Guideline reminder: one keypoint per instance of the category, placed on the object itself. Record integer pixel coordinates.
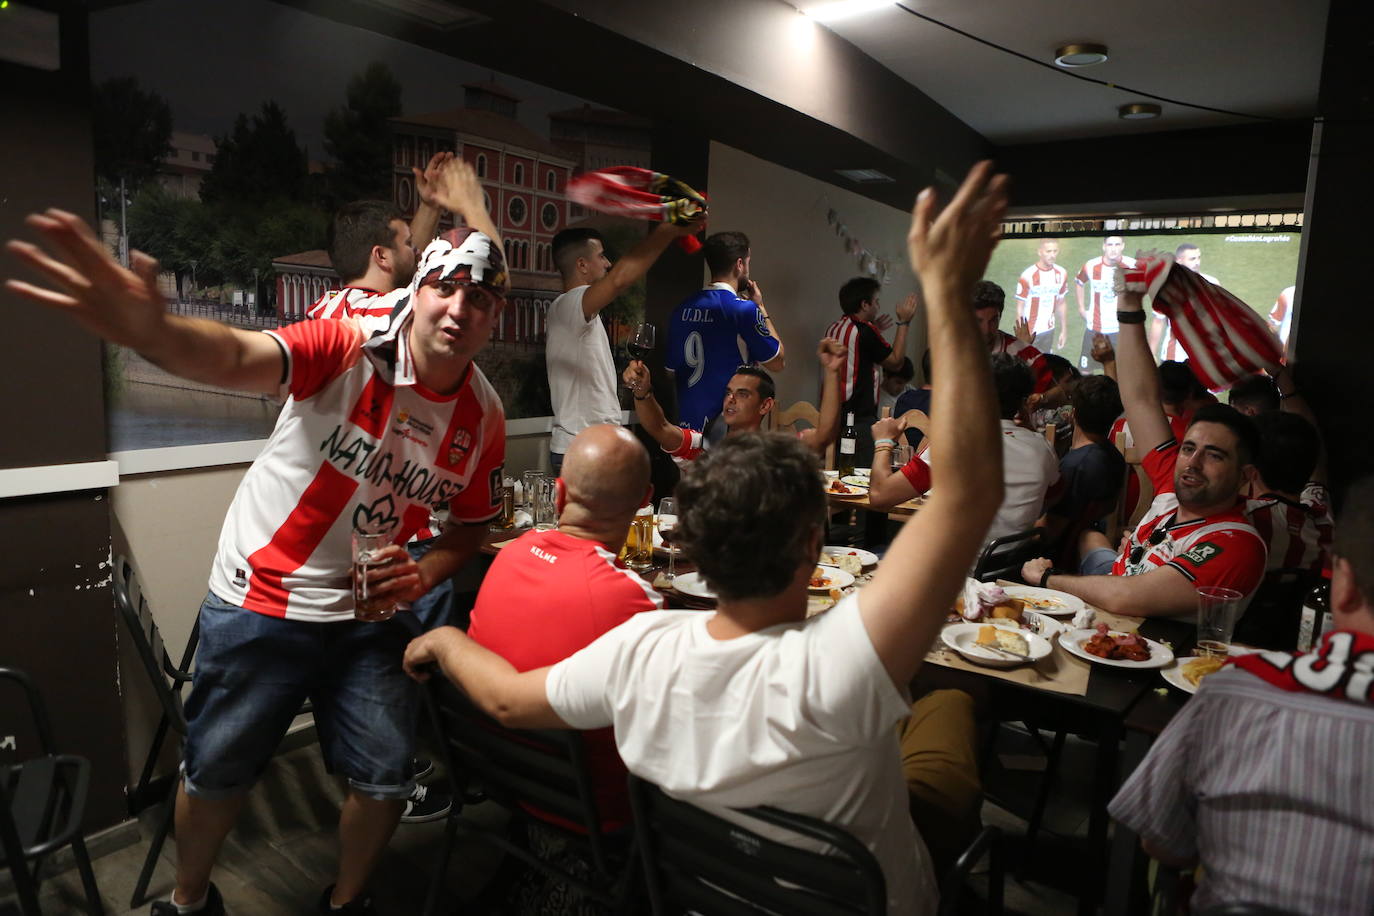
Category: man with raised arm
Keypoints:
(578, 350)
(756, 704)
(1195, 532)
(748, 399)
(705, 331)
(377, 432)
(373, 250)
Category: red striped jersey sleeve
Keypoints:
(317, 352)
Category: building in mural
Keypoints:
(302, 278)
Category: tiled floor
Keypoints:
(282, 853)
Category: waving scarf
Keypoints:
(638, 193)
(1342, 666)
(1224, 338)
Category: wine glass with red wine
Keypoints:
(642, 341)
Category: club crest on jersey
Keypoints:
(379, 517)
(459, 447)
(1201, 553)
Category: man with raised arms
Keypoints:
(755, 704)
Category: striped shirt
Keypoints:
(1270, 790)
(356, 302)
(862, 375)
(1099, 277)
(1039, 366)
(1038, 290)
(1298, 534)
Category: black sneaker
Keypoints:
(360, 905)
(422, 766)
(214, 905)
(425, 805)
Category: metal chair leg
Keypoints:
(83, 865)
(26, 887)
(1043, 796)
(155, 850)
(436, 881)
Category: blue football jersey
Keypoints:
(704, 351)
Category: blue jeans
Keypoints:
(435, 608)
(252, 674)
(556, 462)
(1098, 562)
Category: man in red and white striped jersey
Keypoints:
(858, 330)
(1195, 532)
(373, 250)
(377, 433)
(1040, 299)
(1162, 340)
(989, 300)
(1281, 315)
(1099, 311)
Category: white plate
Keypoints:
(838, 578)
(863, 472)
(815, 604)
(1059, 604)
(1174, 673)
(1072, 641)
(851, 492)
(658, 544)
(855, 481)
(692, 584)
(866, 557)
(961, 637)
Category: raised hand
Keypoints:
(883, 322)
(888, 428)
(636, 377)
(453, 185)
(907, 310)
(832, 354)
(1102, 350)
(953, 248)
(1022, 331)
(424, 180)
(121, 305)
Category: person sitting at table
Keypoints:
(748, 399)
(1029, 465)
(1091, 473)
(1195, 532)
(1263, 777)
(549, 593)
(756, 704)
(916, 399)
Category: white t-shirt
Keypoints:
(800, 716)
(1029, 468)
(581, 373)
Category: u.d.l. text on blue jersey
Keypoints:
(413, 480)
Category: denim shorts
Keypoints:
(1097, 562)
(253, 672)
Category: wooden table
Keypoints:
(901, 510)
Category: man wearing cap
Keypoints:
(376, 432)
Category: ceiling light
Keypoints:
(863, 176)
(1138, 111)
(843, 9)
(1080, 54)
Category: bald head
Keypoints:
(606, 474)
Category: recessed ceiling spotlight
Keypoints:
(1080, 54)
(1138, 111)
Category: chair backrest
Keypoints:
(790, 415)
(918, 419)
(1003, 557)
(165, 677)
(545, 770)
(696, 861)
(1137, 492)
(1271, 619)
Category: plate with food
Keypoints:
(984, 602)
(854, 480)
(995, 646)
(1187, 673)
(693, 584)
(840, 488)
(1115, 648)
(843, 557)
(1047, 600)
(824, 578)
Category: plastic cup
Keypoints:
(1216, 618)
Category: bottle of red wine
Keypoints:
(849, 440)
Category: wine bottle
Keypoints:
(849, 441)
(1315, 620)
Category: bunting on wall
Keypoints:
(869, 262)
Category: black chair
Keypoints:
(1271, 620)
(546, 770)
(167, 681)
(42, 802)
(1004, 556)
(696, 861)
(988, 842)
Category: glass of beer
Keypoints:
(640, 545)
(529, 481)
(366, 546)
(545, 503)
(507, 517)
(1216, 619)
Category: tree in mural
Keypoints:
(356, 136)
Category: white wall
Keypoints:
(799, 260)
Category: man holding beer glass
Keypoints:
(376, 434)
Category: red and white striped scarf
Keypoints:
(1224, 338)
(626, 190)
(1341, 666)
